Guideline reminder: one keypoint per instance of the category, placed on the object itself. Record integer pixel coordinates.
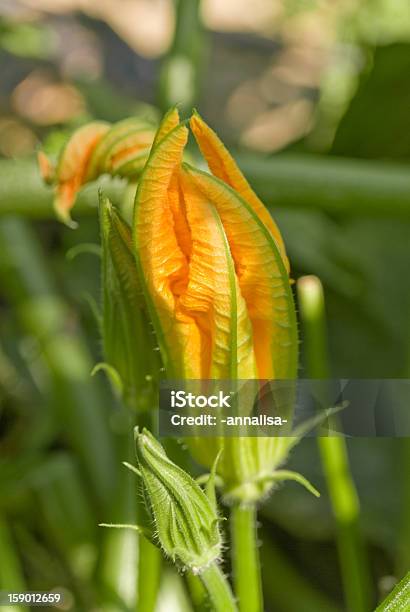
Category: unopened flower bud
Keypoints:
(94, 149)
(185, 517)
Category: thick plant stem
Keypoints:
(337, 185)
(334, 456)
(245, 559)
(198, 593)
(218, 589)
(182, 65)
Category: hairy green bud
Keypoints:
(129, 345)
(184, 516)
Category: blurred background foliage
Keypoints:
(307, 78)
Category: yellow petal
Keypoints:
(135, 145)
(117, 133)
(162, 265)
(72, 166)
(212, 296)
(223, 166)
(46, 168)
(177, 205)
(263, 279)
(187, 271)
(168, 123)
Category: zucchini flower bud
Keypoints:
(184, 516)
(215, 275)
(94, 149)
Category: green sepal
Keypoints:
(132, 468)
(112, 374)
(140, 530)
(95, 310)
(282, 475)
(128, 340)
(309, 424)
(84, 247)
(122, 526)
(211, 482)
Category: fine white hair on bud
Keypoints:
(185, 518)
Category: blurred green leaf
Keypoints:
(377, 122)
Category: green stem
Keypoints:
(22, 191)
(197, 592)
(346, 186)
(345, 504)
(149, 573)
(181, 68)
(245, 560)
(337, 185)
(218, 589)
(334, 456)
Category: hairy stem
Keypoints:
(245, 558)
(198, 593)
(218, 589)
